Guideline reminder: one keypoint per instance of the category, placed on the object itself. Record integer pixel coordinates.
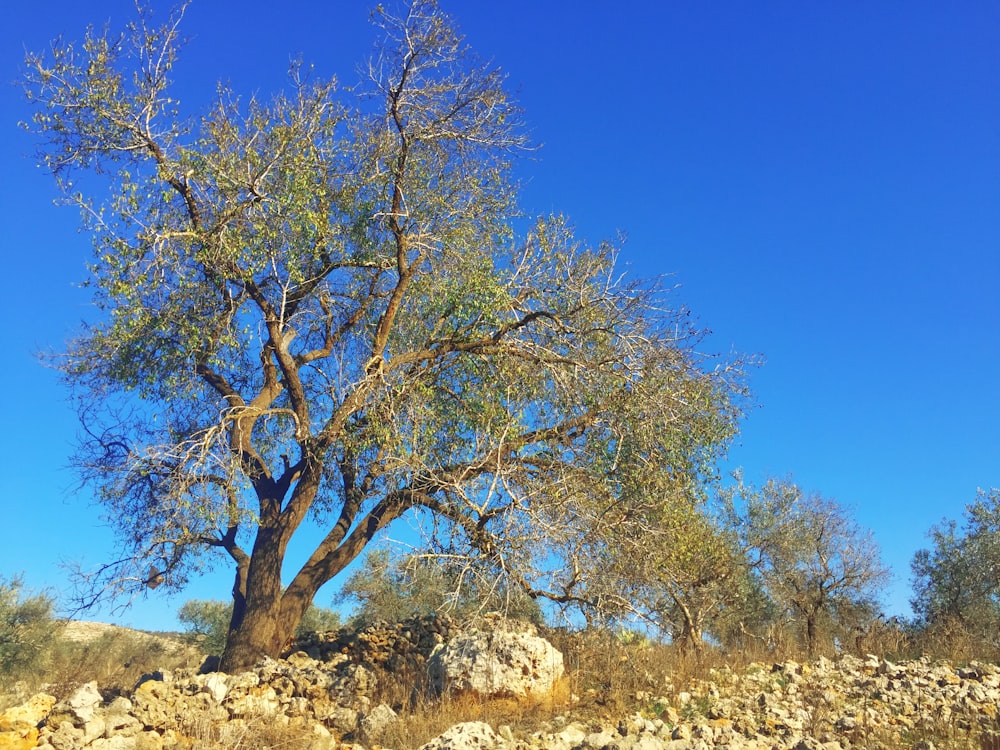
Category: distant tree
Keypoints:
(682, 573)
(958, 578)
(320, 308)
(27, 628)
(813, 559)
(395, 588)
(206, 623)
(318, 620)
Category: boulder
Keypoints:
(28, 715)
(469, 735)
(375, 723)
(505, 658)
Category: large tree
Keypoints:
(325, 308)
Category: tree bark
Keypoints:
(260, 630)
(810, 635)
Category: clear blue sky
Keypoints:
(822, 180)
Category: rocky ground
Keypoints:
(348, 690)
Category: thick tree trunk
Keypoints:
(264, 616)
(260, 634)
(259, 626)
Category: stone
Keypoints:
(22, 738)
(470, 735)
(28, 715)
(507, 660)
(118, 742)
(81, 706)
(215, 685)
(377, 721)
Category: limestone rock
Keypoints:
(469, 735)
(375, 723)
(28, 715)
(508, 659)
(81, 706)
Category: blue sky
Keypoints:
(821, 179)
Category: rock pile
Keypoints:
(324, 690)
(400, 648)
(825, 705)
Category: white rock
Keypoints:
(470, 735)
(83, 703)
(509, 660)
(215, 685)
(380, 718)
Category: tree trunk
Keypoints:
(260, 634)
(691, 632)
(258, 628)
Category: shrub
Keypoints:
(27, 628)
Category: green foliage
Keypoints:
(393, 589)
(206, 622)
(813, 560)
(27, 628)
(318, 620)
(956, 582)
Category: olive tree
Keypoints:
(958, 578)
(812, 557)
(682, 570)
(325, 308)
(27, 629)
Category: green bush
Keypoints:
(27, 629)
(206, 623)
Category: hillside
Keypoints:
(371, 689)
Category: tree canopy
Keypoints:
(328, 307)
(957, 580)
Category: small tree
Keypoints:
(957, 580)
(812, 558)
(682, 573)
(320, 308)
(27, 628)
(207, 623)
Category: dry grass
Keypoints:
(115, 657)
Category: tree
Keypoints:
(206, 623)
(27, 628)
(812, 557)
(323, 308)
(683, 572)
(958, 578)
